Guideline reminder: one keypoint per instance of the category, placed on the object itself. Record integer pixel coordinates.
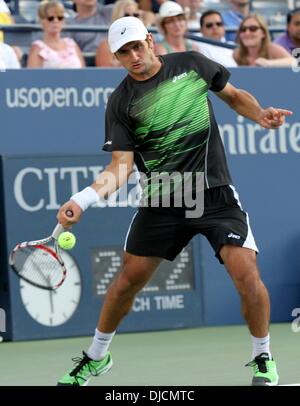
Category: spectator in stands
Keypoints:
(3, 7)
(122, 8)
(172, 24)
(212, 27)
(255, 47)
(192, 11)
(5, 17)
(89, 12)
(233, 17)
(8, 58)
(291, 38)
(54, 51)
(150, 5)
(131, 8)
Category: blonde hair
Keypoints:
(242, 53)
(46, 5)
(119, 8)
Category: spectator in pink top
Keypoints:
(54, 52)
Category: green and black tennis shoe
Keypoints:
(85, 368)
(265, 371)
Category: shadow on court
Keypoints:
(206, 356)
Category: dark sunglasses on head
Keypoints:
(132, 15)
(251, 28)
(210, 25)
(51, 18)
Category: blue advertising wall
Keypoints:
(35, 185)
(51, 136)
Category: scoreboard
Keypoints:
(170, 276)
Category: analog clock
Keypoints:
(53, 308)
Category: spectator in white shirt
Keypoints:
(212, 27)
(3, 7)
(8, 58)
(5, 17)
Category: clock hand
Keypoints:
(51, 301)
(51, 292)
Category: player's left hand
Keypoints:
(273, 118)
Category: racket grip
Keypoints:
(57, 231)
(59, 228)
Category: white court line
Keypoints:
(290, 384)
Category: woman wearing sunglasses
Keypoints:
(122, 8)
(255, 47)
(54, 52)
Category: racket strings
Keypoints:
(39, 265)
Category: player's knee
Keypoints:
(129, 281)
(249, 284)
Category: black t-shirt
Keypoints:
(168, 120)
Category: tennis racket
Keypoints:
(39, 262)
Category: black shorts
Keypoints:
(164, 232)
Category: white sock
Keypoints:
(260, 345)
(100, 344)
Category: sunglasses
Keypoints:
(51, 18)
(251, 28)
(132, 15)
(218, 24)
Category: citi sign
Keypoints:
(37, 189)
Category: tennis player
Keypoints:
(161, 119)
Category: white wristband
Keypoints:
(86, 198)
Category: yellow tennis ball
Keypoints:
(66, 240)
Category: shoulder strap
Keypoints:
(189, 45)
(167, 46)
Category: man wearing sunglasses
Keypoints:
(212, 27)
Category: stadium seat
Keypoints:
(28, 10)
(89, 58)
(215, 6)
(274, 11)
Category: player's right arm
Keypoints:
(107, 182)
(246, 105)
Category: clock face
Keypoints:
(53, 308)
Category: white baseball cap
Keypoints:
(168, 9)
(124, 30)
